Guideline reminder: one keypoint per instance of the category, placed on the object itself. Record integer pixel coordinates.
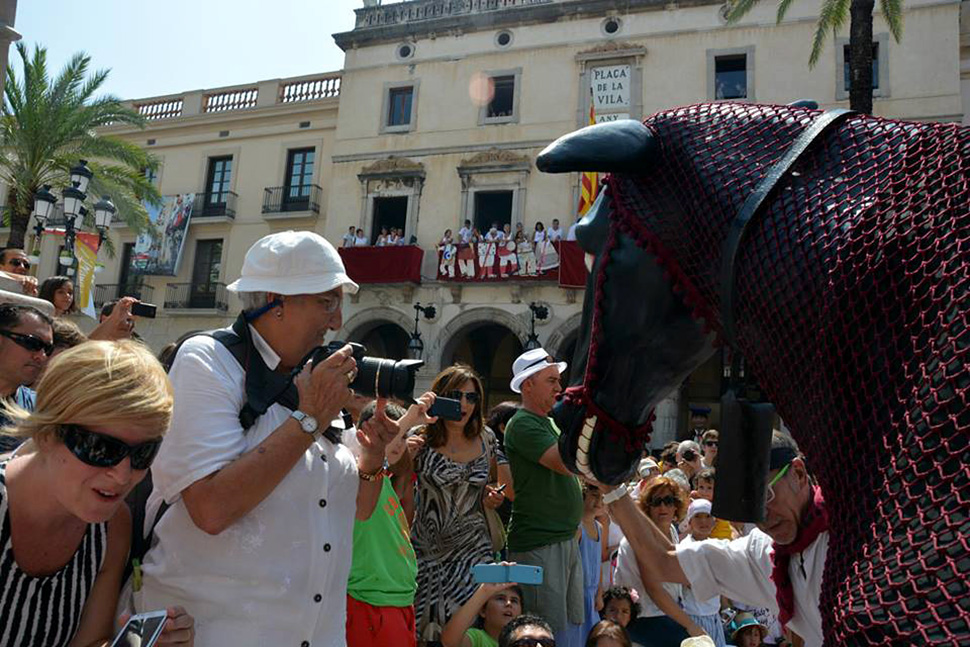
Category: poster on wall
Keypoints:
(158, 251)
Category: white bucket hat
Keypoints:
(698, 506)
(528, 364)
(292, 262)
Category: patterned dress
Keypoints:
(449, 534)
(45, 610)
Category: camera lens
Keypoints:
(386, 378)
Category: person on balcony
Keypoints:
(486, 253)
(448, 252)
(507, 257)
(382, 238)
(555, 233)
(360, 240)
(466, 253)
(525, 255)
(349, 237)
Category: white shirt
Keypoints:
(741, 570)
(349, 240)
(693, 606)
(539, 236)
(465, 234)
(255, 583)
(628, 574)
(555, 234)
(360, 241)
(571, 234)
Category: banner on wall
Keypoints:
(158, 251)
(86, 252)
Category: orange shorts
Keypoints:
(370, 626)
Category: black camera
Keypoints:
(376, 377)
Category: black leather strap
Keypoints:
(749, 210)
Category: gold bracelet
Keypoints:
(373, 477)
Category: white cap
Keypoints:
(698, 506)
(528, 364)
(647, 465)
(292, 262)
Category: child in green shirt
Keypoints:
(491, 607)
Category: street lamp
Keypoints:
(104, 211)
(541, 313)
(415, 345)
(44, 202)
(81, 175)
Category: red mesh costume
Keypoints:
(852, 300)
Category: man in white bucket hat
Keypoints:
(548, 505)
(258, 536)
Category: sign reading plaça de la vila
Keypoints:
(611, 92)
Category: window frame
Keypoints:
(288, 175)
(385, 126)
(516, 74)
(225, 184)
(749, 69)
(841, 91)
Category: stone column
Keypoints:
(665, 426)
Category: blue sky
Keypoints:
(169, 46)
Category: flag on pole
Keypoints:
(589, 183)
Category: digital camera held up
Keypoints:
(376, 377)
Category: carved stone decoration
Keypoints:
(496, 157)
(392, 167)
(611, 46)
(455, 293)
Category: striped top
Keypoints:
(45, 611)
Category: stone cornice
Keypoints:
(428, 18)
(392, 167)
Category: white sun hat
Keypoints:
(528, 364)
(292, 262)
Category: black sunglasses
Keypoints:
(663, 500)
(100, 450)
(20, 262)
(532, 642)
(28, 342)
(470, 396)
(710, 443)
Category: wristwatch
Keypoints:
(307, 422)
(615, 495)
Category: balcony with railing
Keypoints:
(214, 204)
(111, 291)
(196, 296)
(279, 201)
(262, 94)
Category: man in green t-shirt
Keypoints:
(548, 501)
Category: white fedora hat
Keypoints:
(528, 364)
(292, 262)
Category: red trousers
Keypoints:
(370, 626)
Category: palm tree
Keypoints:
(48, 125)
(832, 17)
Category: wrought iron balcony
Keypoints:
(196, 296)
(212, 204)
(285, 199)
(112, 291)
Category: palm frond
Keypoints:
(892, 11)
(832, 17)
(783, 6)
(737, 9)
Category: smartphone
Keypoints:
(141, 630)
(140, 309)
(445, 408)
(499, 573)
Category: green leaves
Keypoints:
(47, 125)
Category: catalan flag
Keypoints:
(589, 183)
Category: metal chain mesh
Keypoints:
(852, 313)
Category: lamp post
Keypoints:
(415, 345)
(539, 312)
(73, 198)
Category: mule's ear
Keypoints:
(615, 146)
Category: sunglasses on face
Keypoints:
(99, 450)
(770, 490)
(658, 501)
(29, 342)
(20, 262)
(710, 443)
(471, 397)
(532, 642)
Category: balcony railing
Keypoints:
(112, 291)
(210, 205)
(284, 199)
(160, 109)
(196, 296)
(236, 99)
(310, 89)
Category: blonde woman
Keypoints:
(101, 411)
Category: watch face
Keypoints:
(309, 424)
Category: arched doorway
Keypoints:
(387, 340)
(490, 349)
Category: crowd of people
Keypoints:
(284, 508)
(500, 252)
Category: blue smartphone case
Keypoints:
(499, 573)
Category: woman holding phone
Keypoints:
(453, 461)
(101, 411)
